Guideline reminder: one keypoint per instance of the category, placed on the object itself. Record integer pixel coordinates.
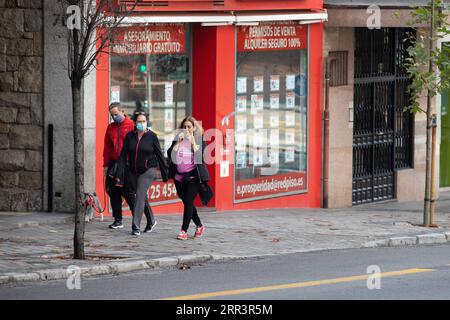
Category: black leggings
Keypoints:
(187, 191)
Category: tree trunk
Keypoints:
(78, 239)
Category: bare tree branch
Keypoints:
(81, 58)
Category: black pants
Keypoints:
(128, 191)
(187, 191)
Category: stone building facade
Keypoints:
(21, 108)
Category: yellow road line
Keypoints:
(296, 285)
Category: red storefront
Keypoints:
(250, 71)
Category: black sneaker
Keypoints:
(136, 233)
(150, 227)
(116, 225)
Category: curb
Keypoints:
(116, 268)
(422, 239)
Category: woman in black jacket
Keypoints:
(142, 150)
(187, 168)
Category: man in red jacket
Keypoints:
(114, 138)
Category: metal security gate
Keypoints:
(382, 132)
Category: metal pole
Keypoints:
(433, 160)
(326, 129)
(50, 168)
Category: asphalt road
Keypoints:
(406, 273)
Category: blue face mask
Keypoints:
(118, 118)
(141, 126)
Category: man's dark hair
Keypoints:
(115, 105)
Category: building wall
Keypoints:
(339, 35)
(394, 18)
(21, 111)
(58, 112)
(57, 108)
(410, 183)
(341, 129)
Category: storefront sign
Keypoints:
(259, 187)
(242, 85)
(271, 57)
(155, 39)
(290, 100)
(241, 123)
(274, 83)
(270, 37)
(162, 191)
(224, 169)
(168, 120)
(274, 101)
(258, 84)
(115, 94)
(158, 192)
(168, 93)
(290, 82)
(241, 103)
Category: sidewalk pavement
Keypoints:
(38, 246)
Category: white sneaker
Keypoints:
(150, 227)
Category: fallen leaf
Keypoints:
(184, 267)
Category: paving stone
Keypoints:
(4, 279)
(21, 277)
(166, 262)
(193, 259)
(432, 238)
(53, 274)
(402, 241)
(121, 267)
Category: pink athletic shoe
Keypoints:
(182, 235)
(199, 231)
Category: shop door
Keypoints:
(444, 178)
(382, 134)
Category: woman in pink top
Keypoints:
(188, 170)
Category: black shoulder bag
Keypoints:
(205, 192)
(117, 170)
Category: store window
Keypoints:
(271, 119)
(149, 72)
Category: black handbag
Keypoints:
(117, 173)
(205, 192)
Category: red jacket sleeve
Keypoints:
(129, 127)
(107, 148)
